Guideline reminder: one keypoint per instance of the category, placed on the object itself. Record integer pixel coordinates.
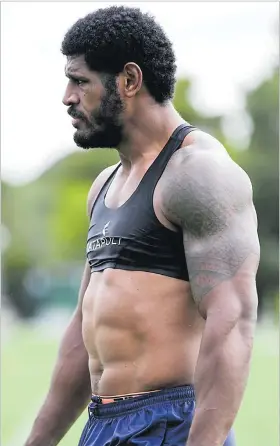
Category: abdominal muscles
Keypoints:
(142, 331)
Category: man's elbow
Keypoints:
(249, 304)
(240, 315)
(247, 319)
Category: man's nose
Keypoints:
(70, 98)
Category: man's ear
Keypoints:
(133, 79)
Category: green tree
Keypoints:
(261, 162)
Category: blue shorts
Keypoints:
(152, 419)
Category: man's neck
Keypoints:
(147, 133)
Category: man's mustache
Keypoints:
(75, 114)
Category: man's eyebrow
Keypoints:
(74, 75)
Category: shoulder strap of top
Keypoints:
(105, 187)
(174, 143)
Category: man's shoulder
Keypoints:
(97, 185)
(203, 176)
(205, 159)
(198, 145)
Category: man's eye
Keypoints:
(79, 82)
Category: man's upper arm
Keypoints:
(210, 197)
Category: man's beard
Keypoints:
(104, 128)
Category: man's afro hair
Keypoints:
(111, 37)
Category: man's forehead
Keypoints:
(75, 63)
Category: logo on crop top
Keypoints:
(103, 241)
(105, 229)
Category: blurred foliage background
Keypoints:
(44, 223)
(43, 241)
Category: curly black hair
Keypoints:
(113, 36)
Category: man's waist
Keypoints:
(133, 402)
(115, 398)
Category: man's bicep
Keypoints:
(223, 266)
(210, 198)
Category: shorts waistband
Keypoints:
(138, 401)
(112, 399)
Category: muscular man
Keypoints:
(163, 330)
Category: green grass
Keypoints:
(257, 421)
(27, 362)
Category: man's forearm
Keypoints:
(69, 390)
(220, 380)
(55, 418)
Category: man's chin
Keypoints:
(83, 143)
(98, 139)
(93, 142)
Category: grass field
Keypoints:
(28, 357)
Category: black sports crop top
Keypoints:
(131, 237)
